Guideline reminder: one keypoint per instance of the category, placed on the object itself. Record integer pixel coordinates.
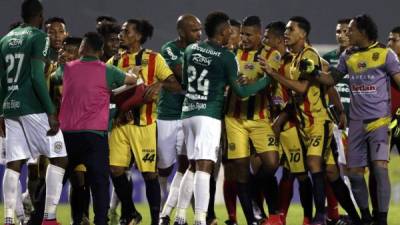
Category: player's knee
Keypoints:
(314, 164)
(33, 171)
(242, 169)
(302, 177)
(117, 171)
(380, 163)
(15, 165)
(149, 175)
(183, 163)
(165, 172)
(332, 172)
(61, 162)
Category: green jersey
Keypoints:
(342, 86)
(207, 69)
(23, 86)
(169, 104)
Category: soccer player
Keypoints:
(79, 189)
(169, 124)
(105, 20)
(290, 142)
(56, 29)
(207, 68)
(29, 118)
(85, 132)
(394, 44)
(136, 136)
(369, 65)
(311, 98)
(109, 32)
(229, 186)
(248, 118)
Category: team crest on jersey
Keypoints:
(362, 65)
(375, 56)
(58, 146)
(249, 66)
(232, 146)
(145, 62)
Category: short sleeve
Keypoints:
(40, 46)
(171, 56)
(274, 60)
(115, 77)
(162, 69)
(392, 65)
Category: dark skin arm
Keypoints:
(299, 86)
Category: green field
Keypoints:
(295, 216)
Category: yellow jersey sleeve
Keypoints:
(162, 69)
(274, 60)
(312, 55)
(110, 61)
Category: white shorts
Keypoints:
(26, 137)
(169, 142)
(202, 137)
(338, 135)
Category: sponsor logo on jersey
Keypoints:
(363, 88)
(201, 60)
(206, 50)
(341, 87)
(15, 42)
(171, 54)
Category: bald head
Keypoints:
(189, 28)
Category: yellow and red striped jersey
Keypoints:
(153, 69)
(312, 106)
(255, 106)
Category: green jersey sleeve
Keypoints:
(3, 84)
(40, 87)
(171, 55)
(115, 77)
(231, 68)
(57, 77)
(40, 46)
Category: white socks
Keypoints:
(172, 195)
(201, 196)
(54, 178)
(185, 195)
(19, 207)
(10, 194)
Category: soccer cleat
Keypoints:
(176, 223)
(273, 219)
(134, 219)
(85, 220)
(212, 221)
(50, 222)
(230, 222)
(113, 216)
(319, 219)
(164, 220)
(343, 220)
